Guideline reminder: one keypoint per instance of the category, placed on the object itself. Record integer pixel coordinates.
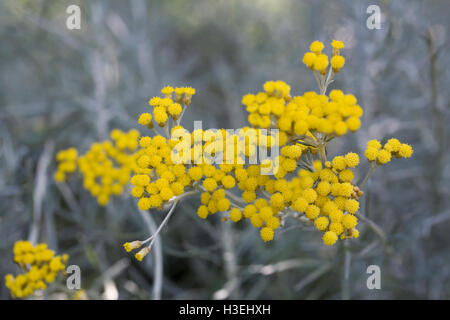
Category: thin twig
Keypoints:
(312, 277)
(231, 288)
(39, 190)
(347, 264)
(368, 175)
(377, 229)
(159, 268)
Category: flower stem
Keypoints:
(368, 175)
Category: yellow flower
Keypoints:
(321, 223)
(132, 245)
(353, 123)
(145, 119)
(167, 90)
(144, 204)
(340, 128)
(316, 47)
(392, 145)
(405, 151)
(210, 184)
(142, 253)
(336, 215)
(309, 195)
(273, 223)
(309, 58)
(346, 175)
(323, 188)
(337, 62)
(351, 159)
(336, 227)
(228, 182)
(175, 110)
(235, 215)
(321, 63)
(312, 211)
(339, 163)
(202, 212)
(383, 157)
(337, 44)
(256, 220)
(248, 99)
(351, 205)
(249, 211)
(349, 221)
(371, 153)
(374, 144)
(223, 204)
(329, 238)
(267, 234)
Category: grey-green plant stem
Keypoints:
(377, 229)
(368, 175)
(156, 241)
(40, 188)
(312, 277)
(232, 287)
(327, 81)
(323, 152)
(163, 223)
(166, 130)
(347, 265)
(438, 118)
(182, 196)
(156, 131)
(181, 115)
(317, 80)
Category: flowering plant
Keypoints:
(298, 182)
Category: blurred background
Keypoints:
(61, 88)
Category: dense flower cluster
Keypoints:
(383, 154)
(106, 167)
(306, 115)
(67, 163)
(157, 179)
(41, 266)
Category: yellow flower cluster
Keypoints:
(41, 266)
(303, 116)
(171, 105)
(67, 163)
(318, 61)
(106, 167)
(324, 195)
(157, 179)
(383, 154)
